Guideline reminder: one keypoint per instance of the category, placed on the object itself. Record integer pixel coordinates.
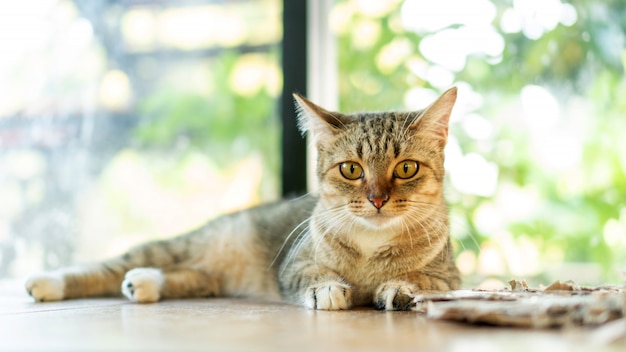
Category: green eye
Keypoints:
(350, 170)
(406, 169)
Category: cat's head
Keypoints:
(380, 169)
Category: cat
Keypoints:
(376, 233)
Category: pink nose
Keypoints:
(378, 200)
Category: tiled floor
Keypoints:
(241, 325)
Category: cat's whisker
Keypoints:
(302, 196)
(293, 253)
(299, 242)
(331, 224)
(306, 221)
(323, 216)
(318, 243)
(426, 232)
(408, 231)
(468, 234)
(413, 201)
(431, 226)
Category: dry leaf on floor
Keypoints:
(560, 304)
(568, 285)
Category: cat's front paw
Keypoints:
(45, 287)
(143, 285)
(329, 295)
(394, 295)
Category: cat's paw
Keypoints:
(45, 287)
(143, 285)
(329, 295)
(394, 295)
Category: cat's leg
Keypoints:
(46, 287)
(147, 285)
(105, 278)
(395, 295)
(439, 275)
(101, 279)
(317, 288)
(328, 294)
(399, 294)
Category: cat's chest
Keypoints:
(369, 256)
(368, 244)
(362, 256)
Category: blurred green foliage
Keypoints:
(224, 123)
(214, 122)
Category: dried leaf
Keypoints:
(560, 304)
(568, 285)
(518, 285)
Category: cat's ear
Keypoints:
(317, 121)
(435, 118)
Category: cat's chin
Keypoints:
(379, 221)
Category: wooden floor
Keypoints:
(241, 325)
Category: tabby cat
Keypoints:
(377, 233)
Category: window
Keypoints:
(536, 167)
(122, 121)
(126, 120)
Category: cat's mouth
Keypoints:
(383, 217)
(379, 219)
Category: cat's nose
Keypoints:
(378, 200)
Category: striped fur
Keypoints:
(377, 239)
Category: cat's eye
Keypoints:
(406, 169)
(351, 170)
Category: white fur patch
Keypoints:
(46, 286)
(369, 242)
(143, 285)
(330, 295)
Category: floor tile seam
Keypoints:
(64, 308)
